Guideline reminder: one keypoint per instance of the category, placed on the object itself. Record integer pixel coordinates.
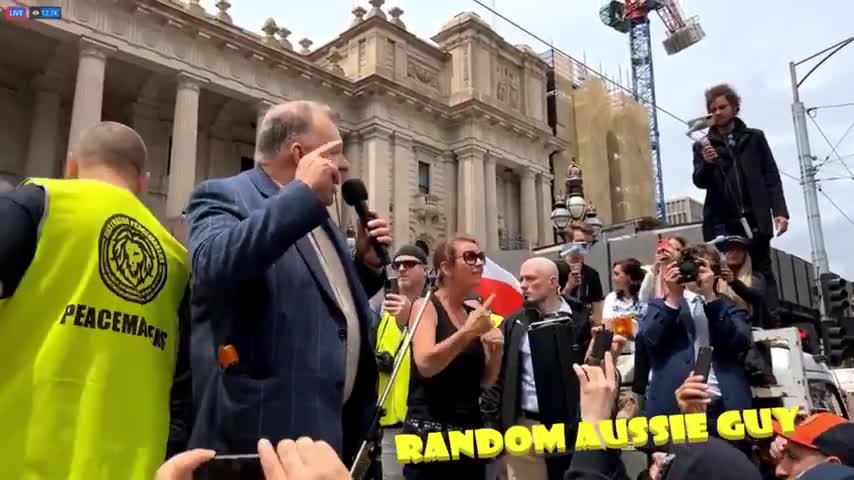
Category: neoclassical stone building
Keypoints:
(449, 135)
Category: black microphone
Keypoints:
(355, 194)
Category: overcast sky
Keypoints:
(748, 44)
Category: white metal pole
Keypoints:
(819, 254)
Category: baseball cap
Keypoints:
(830, 434)
(411, 251)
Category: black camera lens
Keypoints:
(385, 362)
(688, 270)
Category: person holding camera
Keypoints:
(409, 262)
(745, 285)
(744, 193)
(692, 315)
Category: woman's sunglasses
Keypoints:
(471, 257)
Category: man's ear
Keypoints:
(72, 168)
(142, 183)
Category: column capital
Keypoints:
(375, 131)
(420, 147)
(188, 81)
(89, 47)
(402, 139)
(470, 151)
(527, 174)
(490, 158)
(544, 177)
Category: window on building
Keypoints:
(246, 163)
(423, 178)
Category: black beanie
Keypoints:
(411, 251)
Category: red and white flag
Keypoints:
(505, 286)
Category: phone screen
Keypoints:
(704, 362)
(391, 286)
(231, 467)
(663, 244)
(601, 344)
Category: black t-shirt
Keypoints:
(590, 289)
(452, 396)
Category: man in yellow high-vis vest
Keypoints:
(90, 293)
(409, 262)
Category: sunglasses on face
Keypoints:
(472, 257)
(407, 264)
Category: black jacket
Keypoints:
(746, 176)
(509, 382)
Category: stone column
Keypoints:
(376, 168)
(353, 153)
(144, 118)
(510, 203)
(450, 197)
(89, 88)
(471, 214)
(184, 139)
(44, 130)
(529, 208)
(402, 190)
(544, 190)
(491, 204)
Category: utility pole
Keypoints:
(808, 171)
(819, 254)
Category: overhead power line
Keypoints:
(838, 209)
(587, 67)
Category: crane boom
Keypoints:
(632, 17)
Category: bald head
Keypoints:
(285, 122)
(538, 279)
(541, 266)
(111, 144)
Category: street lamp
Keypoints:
(560, 216)
(593, 221)
(574, 207)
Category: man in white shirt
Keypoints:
(522, 402)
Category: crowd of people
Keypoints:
(133, 357)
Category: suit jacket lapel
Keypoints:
(687, 318)
(312, 260)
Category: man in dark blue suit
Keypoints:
(693, 315)
(280, 303)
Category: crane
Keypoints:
(632, 17)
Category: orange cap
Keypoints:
(811, 428)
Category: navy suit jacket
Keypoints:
(668, 336)
(259, 285)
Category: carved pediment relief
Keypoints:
(508, 88)
(422, 74)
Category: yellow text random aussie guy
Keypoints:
(621, 433)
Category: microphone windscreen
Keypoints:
(354, 191)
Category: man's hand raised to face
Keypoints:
(319, 172)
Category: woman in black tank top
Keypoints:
(455, 351)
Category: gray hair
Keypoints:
(283, 123)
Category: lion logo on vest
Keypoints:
(131, 260)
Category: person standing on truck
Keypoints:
(95, 316)
(736, 168)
